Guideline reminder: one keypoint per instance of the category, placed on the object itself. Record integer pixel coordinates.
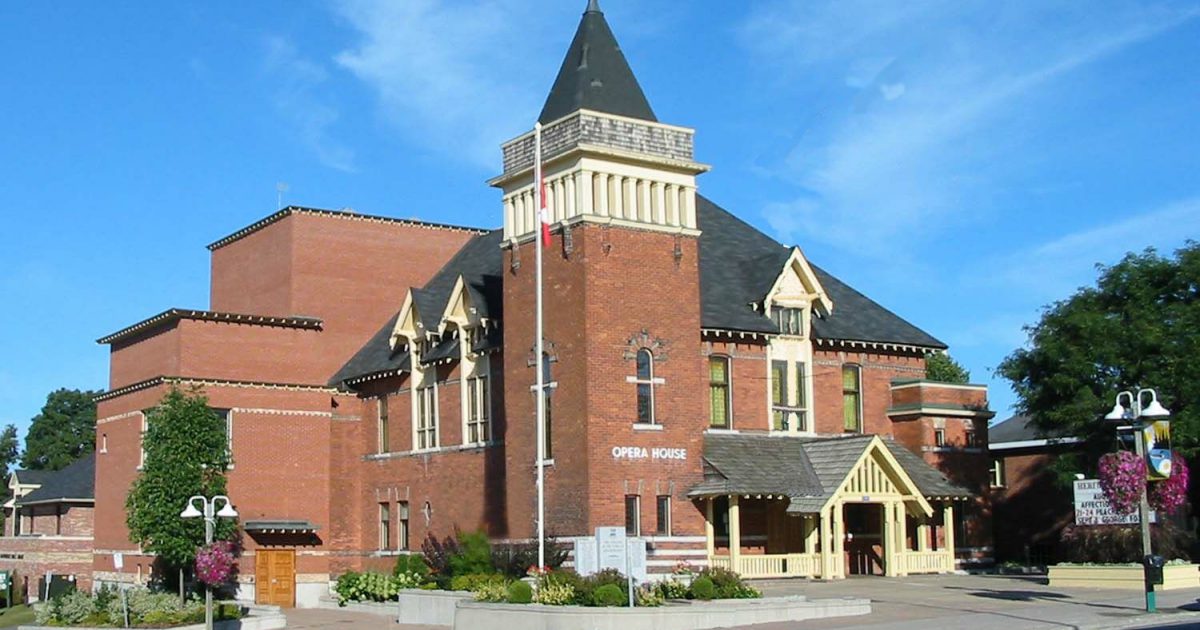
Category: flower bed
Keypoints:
(146, 610)
(1122, 576)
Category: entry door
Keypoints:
(275, 577)
(864, 539)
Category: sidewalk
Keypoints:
(986, 602)
(931, 602)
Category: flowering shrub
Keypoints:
(683, 567)
(537, 572)
(214, 563)
(1170, 494)
(1122, 478)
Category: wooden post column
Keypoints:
(888, 539)
(948, 526)
(901, 537)
(735, 534)
(825, 526)
(710, 535)
(839, 542)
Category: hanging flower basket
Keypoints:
(1122, 479)
(214, 563)
(1170, 494)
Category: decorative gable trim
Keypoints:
(797, 266)
(408, 323)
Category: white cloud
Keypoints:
(457, 77)
(298, 97)
(1052, 270)
(881, 175)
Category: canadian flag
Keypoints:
(544, 212)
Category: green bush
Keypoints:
(648, 596)
(411, 563)
(371, 587)
(555, 593)
(1115, 544)
(147, 608)
(565, 578)
(520, 593)
(492, 592)
(728, 584)
(591, 583)
(609, 595)
(703, 588)
(474, 555)
(673, 589)
(474, 581)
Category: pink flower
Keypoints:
(214, 563)
(1170, 494)
(1122, 479)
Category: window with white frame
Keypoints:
(402, 525)
(939, 437)
(663, 524)
(427, 417)
(384, 438)
(789, 403)
(478, 410)
(385, 526)
(227, 416)
(646, 383)
(789, 320)
(997, 473)
(142, 440)
(633, 515)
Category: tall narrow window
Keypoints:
(478, 410)
(779, 388)
(384, 429)
(633, 517)
(645, 387)
(939, 437)
(799, 396)
(402, 531)
(427, 418)
(972, 439)
(789, 320)
(852, 398)
(142, 440)
(385, 526)
(663, 526)
(718, 390)
(228, 414)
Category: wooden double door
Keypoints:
(275, 577)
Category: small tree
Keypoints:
(942, 368)
(186, 455)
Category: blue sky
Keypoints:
(963, 163)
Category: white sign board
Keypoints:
(1092, 507)
(610, 543)
(585, 555)
(636, 550)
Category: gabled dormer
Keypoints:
(791, 303)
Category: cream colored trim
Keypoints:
(936, 411)
(798, 265)
(923, 383)
(120, 416)
(408, 325)
(283, 412)
(909, 490)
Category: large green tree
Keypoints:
(941, 367)
(1139, 326)
(63, 432)
(186, 455)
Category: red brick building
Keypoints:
(711, 389)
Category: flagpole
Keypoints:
(541, 385)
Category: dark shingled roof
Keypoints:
(28, 477)
(76, 481)
(595, 75)
(739, 265)
(1020, 429)
(479, 262)
(806, 470)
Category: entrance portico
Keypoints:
(806, 507)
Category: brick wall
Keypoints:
(878, 371)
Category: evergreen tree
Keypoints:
(941, 367)
(63, 432)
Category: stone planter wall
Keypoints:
(1175, 576)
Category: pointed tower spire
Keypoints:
(595, 75)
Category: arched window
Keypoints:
(645, 387)
(718, 392)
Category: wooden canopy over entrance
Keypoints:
(778, 507)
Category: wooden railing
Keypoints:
(926, 562)
(772, 565)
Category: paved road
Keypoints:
(922, 603)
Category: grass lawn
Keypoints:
(15, 616)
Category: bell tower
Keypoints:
(622, 302)
(607, 158)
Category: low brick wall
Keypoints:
(34, 556)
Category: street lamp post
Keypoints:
(208, 510)
(1134, 414)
